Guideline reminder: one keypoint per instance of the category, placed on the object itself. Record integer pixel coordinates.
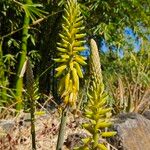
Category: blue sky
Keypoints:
(129, 34)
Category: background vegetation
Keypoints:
(105, 21)
(30, 29)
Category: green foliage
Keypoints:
(129, 81)
(127, 78)
(33, 12)
(96, 110)
(19, 80)
(30, 13)
(107, 18)
(69, 59)
(2, 77)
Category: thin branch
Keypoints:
(17, 2)
(29, 27)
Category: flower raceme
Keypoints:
(69, 60)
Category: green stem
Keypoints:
(33, 124)
(60, 139)
(2, 73)
(19, 80)
(30, 92)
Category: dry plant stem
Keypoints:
(60, 139)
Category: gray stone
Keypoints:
(7, 125)
(146, 114)
(133, 132)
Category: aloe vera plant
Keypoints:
(69, 60)
(96, 110)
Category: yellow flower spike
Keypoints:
(78, 24)
(79, 19)
(84, 58)
(78, 36)
(72, 35)
(63, 36)
(65, 56)
(96, 109)
(78, 68)
(61, 85)
(104, 124)
(66, 99)
(61, 68)
(66, 11)
(62, 46)
(59, 60)
(61, 49)
(72, 42)
(71, 64)
(67, 80)
(102, 147)
(80, 60)
(108, 134)
(72, 99)
(67, 21)
(75, 79)
(82, 48)
(79, 43)
(65, 41)
(71, 85)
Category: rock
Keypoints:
(74, 140)
(7, 125)
(146, 114)
(133, 132)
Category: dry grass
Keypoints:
(17, 135)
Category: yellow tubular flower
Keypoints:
(69, 60)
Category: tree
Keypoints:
(105, 20)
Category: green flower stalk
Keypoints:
(96, 110)
(31, 96)
(70, 61)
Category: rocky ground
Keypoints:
(15, 132)
(133, 132)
